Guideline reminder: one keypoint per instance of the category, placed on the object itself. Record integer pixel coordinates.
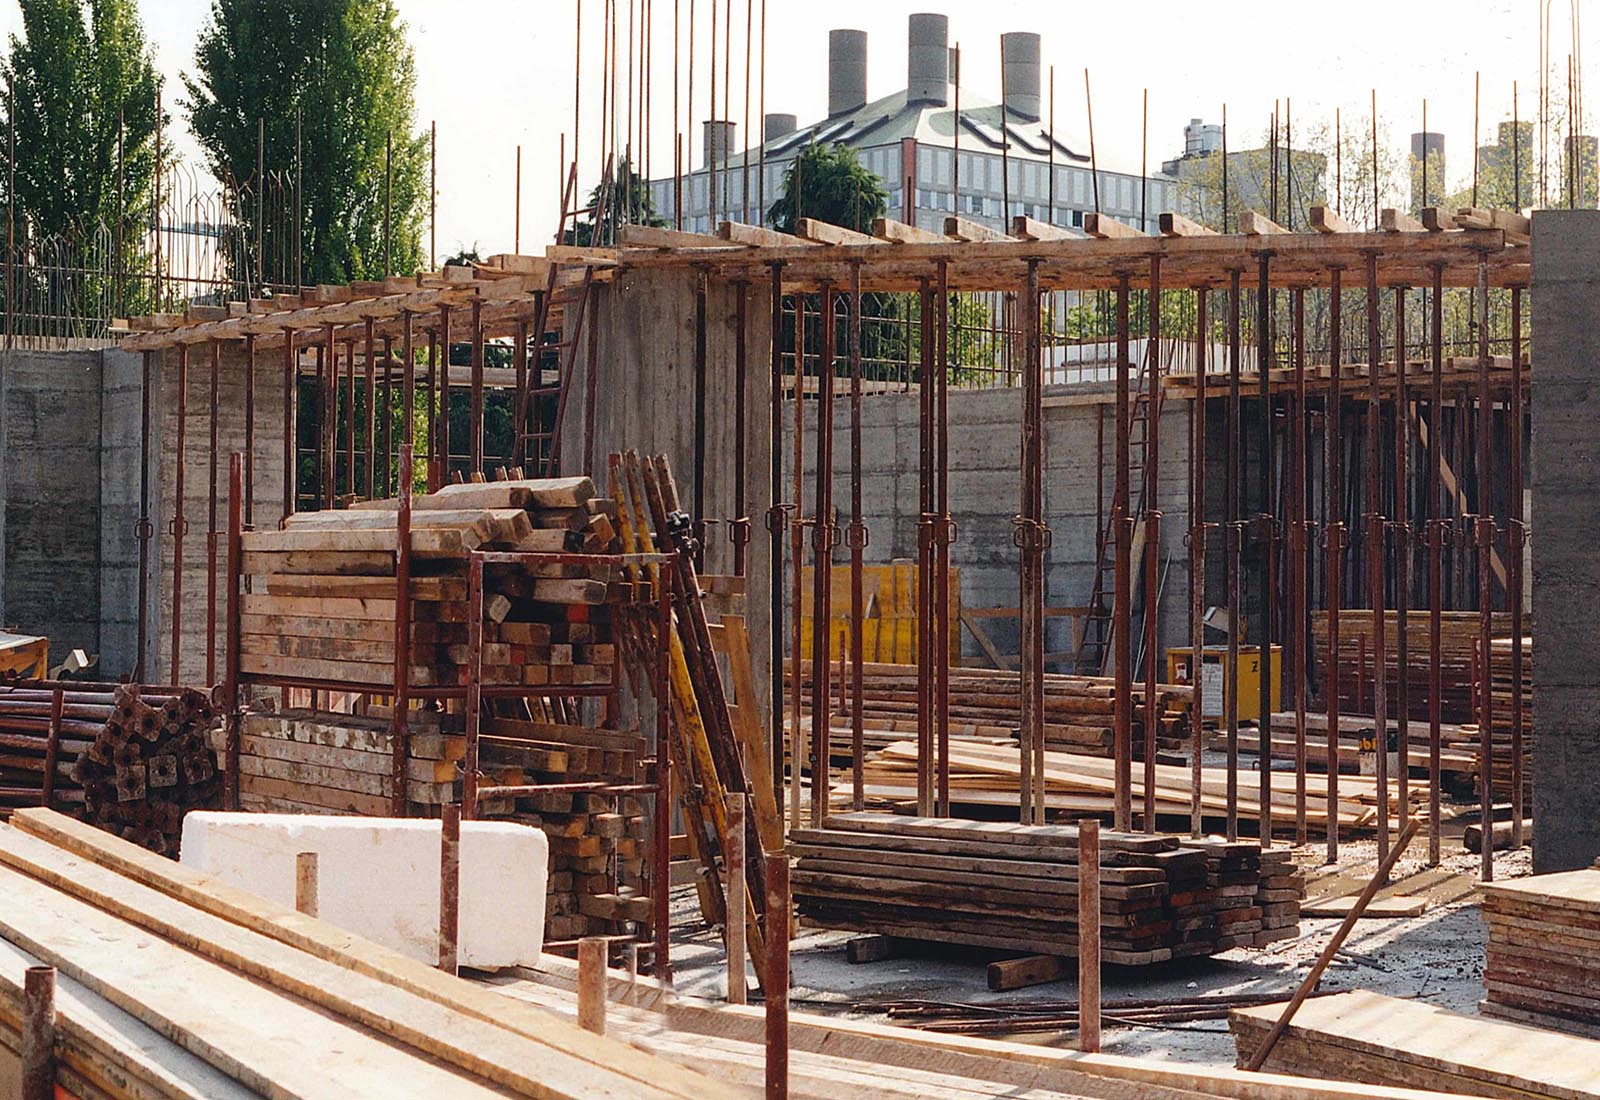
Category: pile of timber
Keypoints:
(1387, 1041)
(1458, 642)
(301, 761)
(322, 602)
(172, 986)
(1079, 711)
(985, 777)
(1543, 961)
(1501, 725)
(1014, 887)
(1456, 765)
(130, 759)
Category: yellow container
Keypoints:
(1213, 680)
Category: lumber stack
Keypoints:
(1501, 726)
(985, 776)
(322, 605)
(1456, 764)
(1014, 887)
(1079, 711)
(1458, 641)
(1543, 960)
(1387, 1041)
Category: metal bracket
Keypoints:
(856, 535)
(778, 517)
(739, 531)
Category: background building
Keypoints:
(1251, 182)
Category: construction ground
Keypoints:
(594, 673)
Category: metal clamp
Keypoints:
(1331, 538)
(143, 529)
(951, 531)
(856, 535)
(739, 531)
(178, 527)
(1030, 534)
(778, 517)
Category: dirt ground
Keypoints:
(1436, 957)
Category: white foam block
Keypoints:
(379, 877)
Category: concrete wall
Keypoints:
(985, 493)
(121, 411)
(645, 386)
(50, 409)
(1566, 570)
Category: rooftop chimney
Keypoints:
(1019, 59)
(847, 71)
(928, 62)
(717, 142)
(776, 126)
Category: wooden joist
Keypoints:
(1024, 228)
(1105, 227)
(1176, 225)
(827, 233)
(965, 229)
(757, 237)
(1324, 220)
(887, 229)
(1253, 223)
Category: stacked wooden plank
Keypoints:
(1014, 887)
(1501, 726)
(173, 986)
(986, 776)
(1543, 961)
(1458, 641)
(1386, 1041)
(322, 605)
(1078, 710)
(1456, 764)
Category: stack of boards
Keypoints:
(302, 761)
(1388, 1041)
(1456, 765)
(1543, 960)
(173, 986)
(1015, 887)
(985, 776)
(1458, 641)
(322, 598)
(1501, 725)
(1079, 711)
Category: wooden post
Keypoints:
(592, 984)
(736, 900)
(305, 883)
(39, 1033)
(449, 888)
(1089, 935)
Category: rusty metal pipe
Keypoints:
(1375, 549)
(1197, 562)
(776, 516)
(1233, 537)
(943, 532)
(1152, 541)
(1268, 528)
(1402, 556)
(822, 567)
(1333, 533)
(180, 523)
(1121, 628)
(856, 537)
(1485, 540)
(1437, 527)
(1516, 535)
(1299, 589)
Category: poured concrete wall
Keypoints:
(1566, 569)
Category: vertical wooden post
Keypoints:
(1089, 935)
(449, 888)
(592, 984)
(39, 1033)
(306, 887)
(736, 900)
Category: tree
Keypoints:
(628, 202)
(348, 69)
(84, 85)
(828, 183)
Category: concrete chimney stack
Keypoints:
(716, 138)
(847, 71)
(776, 126)
(1019, 59)
(928, 61)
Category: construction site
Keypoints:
(1058, 637)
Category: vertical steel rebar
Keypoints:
(943, 532)
(1036, 541)
(212, 533)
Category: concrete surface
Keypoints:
(379, 877)
(1437, 957)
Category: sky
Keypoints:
(495, 74)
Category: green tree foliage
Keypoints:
(626, 203)
(828, 183)
(349, 68)
(81, 72)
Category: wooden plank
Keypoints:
(340, 563)
(965, 229)
(1253, 223)
(1030, 970)
(1395, 905)
(650, 236)
(1176, 225)
(1324, 220)
(1108, 228)
(1516, 226)
(1024, 228)
(556, 492)
(1391, 220)
(827, 233)
(1437, 219)
(887, 229)
(759, 237)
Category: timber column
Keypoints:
(1566, 569)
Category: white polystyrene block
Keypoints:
(379, 877)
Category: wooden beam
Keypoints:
(887, 229)
(650, 236)
(1253, 223)
(1176, 225)
(964, 229)
(827, 233)
(757, 237)
(1391, 220)
(1025, 228)
(1324, 220)
(1515, 226)
(1436, 219)
(1104, 228)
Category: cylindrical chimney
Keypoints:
(776, 126)
(716, 142)
(928, 60)
(847, 71)
(1019, 58)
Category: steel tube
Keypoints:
(1333, 532)
(1375, 548)
(1121, 626)
(1198, 529)
(1267, 527)
(1485, 540)
(1152, 546)
(230, 687)
(1402, 556)
(926, 701)
(942, 533)
(856, 537)
(1089, 935)
(1298, 635)
(214, 381)
(1516, 535)
(180, 523)
(449, 887)
(37, 1053)
(1233, 537)
(822, 569)
(1437, 526)
(776, 517)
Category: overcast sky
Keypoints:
(496, 73)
